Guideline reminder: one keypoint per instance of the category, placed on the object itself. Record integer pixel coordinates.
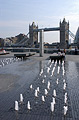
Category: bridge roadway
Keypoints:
(16, 77)
(47, 29)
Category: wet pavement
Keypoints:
(16, 76)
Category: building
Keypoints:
(1, 42)
(76, 41)
(64, 34)
(33, 36)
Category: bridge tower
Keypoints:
(33, 36)
(64, 34)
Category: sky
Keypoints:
(16, 15)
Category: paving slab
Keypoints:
(16, 78)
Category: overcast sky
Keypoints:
(16, 15)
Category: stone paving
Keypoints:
(73, 87)
(38, 73)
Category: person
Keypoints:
(64, 51)
(59, 52)
(63, 54)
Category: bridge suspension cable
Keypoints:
(70, 33)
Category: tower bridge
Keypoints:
(63, 29)
(33, 34)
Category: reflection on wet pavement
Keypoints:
(49, 90)
(7, 61)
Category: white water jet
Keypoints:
(57, 81)
(65, 110)
(62, 67)
(52, 106)
(21, 98)
(64, 81)
(49, 62)
(54, 93)
(7, 62)
(37, 89)
(65, 97)
(28, 105)
(40, 74)
(16, 106)
(50, 65)
(31, 86)
(63, 73)
(48, 70)
(66, 94)
(64, 87)
(41, 71)
(36, 93)
(52, 73)
(55, 65)
(52, 61)
(43, 99)
(2, 64)
(43, 81)
(54, 100)
(56, 61)
(48, 85)
(44, 76)
(53, 69)
(58, 70)
(46, 92)
(59, 62)
(62, 63)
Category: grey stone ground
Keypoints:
(74, 58)
(20, 74)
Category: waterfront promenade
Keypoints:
(16, 76)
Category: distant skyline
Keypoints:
(16, 15)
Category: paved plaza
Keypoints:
(32, 78)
